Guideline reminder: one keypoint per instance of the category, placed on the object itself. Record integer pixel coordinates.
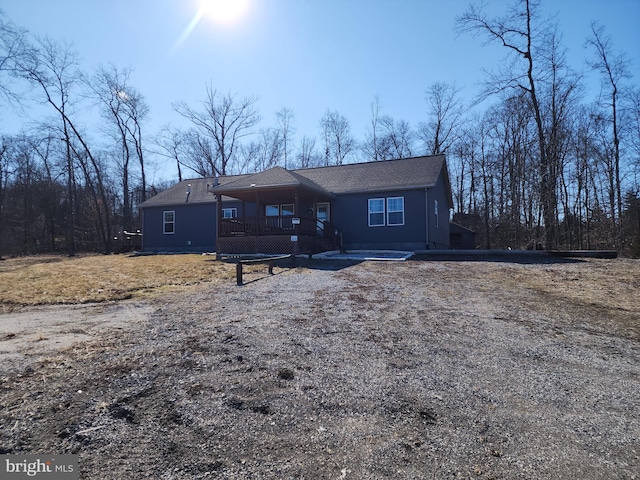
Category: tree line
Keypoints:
(540, 166)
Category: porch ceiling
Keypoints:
(277, 195)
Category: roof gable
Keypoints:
(276, 177)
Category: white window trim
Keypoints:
(321, 205)
(389, 211)
(369, 212)
(437, 216)
(165, 222)
(233, 210)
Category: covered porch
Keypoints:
(280, 213)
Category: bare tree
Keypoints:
(446, 114)
(200, 155)
(524, 39)
(614, 69)
(308, 156)
(286, 130)
(269, 148)
(124, 109)
(397, 136)
(4, 181)
(387, 138)
(374, 146)
(224, 120)
(137, 111)
(12, 48)
(108, 87)
(264, 152)
(171, 144)
(339, 144)
(634, 129)
(52, 69)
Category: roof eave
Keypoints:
(224, 191)
(390, 189)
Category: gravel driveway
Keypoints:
(373, 370)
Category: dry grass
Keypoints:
(46, 280)
(601, 294)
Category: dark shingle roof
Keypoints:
(198, 188)
(414, 172)
(404, 173)
(276, 177)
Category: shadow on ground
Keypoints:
(517, 257)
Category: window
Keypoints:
(168, 222)
(395, 211)
(229, 212)
(272, 210)
(389, 211)
(286, 210)
(376, 212)
(435, 206)
(275, 210)
(323, 212)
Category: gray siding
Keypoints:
(350, 214)
(439, 235)
(195, 224)
(195, 229)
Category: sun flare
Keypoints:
(223, 11)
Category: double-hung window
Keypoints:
(376, 212)
(395, 211)
(168, 222)
(386, 211)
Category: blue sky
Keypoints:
(306, 55)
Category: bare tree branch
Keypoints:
(225, 120)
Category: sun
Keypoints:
(223, 11)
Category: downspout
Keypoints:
(258, 221)
(426, 216)
(143, 229)
(218, 223)
(296, 212)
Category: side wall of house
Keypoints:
(350, 214)
(194, 229)
(439, 237)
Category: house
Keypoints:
(398, 204)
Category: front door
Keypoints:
(323, 213)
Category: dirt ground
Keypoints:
(375, 370)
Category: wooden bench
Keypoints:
(270, 261)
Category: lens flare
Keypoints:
(221, 12)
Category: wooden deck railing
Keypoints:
(276, 225)
(280, 225)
